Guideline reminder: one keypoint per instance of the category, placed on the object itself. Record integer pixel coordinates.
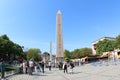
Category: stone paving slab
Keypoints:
(85, 72)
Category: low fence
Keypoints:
(10, 73)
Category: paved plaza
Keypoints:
(93, 71)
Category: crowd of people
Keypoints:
(30, 66)
(27, 67)
(70, 65)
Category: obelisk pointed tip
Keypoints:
(59, 12)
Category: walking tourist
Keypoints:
(71, 67)
(24, 66)
(49, 65)
(31, 66)
(39, 66)
(35, 67)
(27, 66)
(42, 66)
(65, 67)
(21, 67)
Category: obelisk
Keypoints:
(59, 38)
(50, 51)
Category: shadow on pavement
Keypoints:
(76, 72)
(39, 75)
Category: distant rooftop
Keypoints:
(109, 38)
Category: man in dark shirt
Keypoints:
(42, 66)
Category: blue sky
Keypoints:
(32, 23)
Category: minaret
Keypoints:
(50, 51)
(59, 38)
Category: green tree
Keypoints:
(67, 54)
(85, 52)
(17, 51)
(104, 46)
(75, 54)
(34, 53)
(46, 56)
(79, 53)
(117, 42)
(8, 49)
(5, 37)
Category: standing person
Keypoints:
(59, 66)
(2, 70)
(21, 67)
(71, 67)
(49, 65)
(39, 66)
(27, 66)
(65, 67)
(31, 66)
(24, 66)
(42, 66)
(82, 61)
(36, 66)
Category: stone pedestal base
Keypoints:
(58, 60)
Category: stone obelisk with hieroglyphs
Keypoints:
(59, 38)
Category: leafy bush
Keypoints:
(9, 68)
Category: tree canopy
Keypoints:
(34, 53)
(104, 46)
(117, 42)
(67, 54)
(108, 45)
(77, 53)
(8, 49)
